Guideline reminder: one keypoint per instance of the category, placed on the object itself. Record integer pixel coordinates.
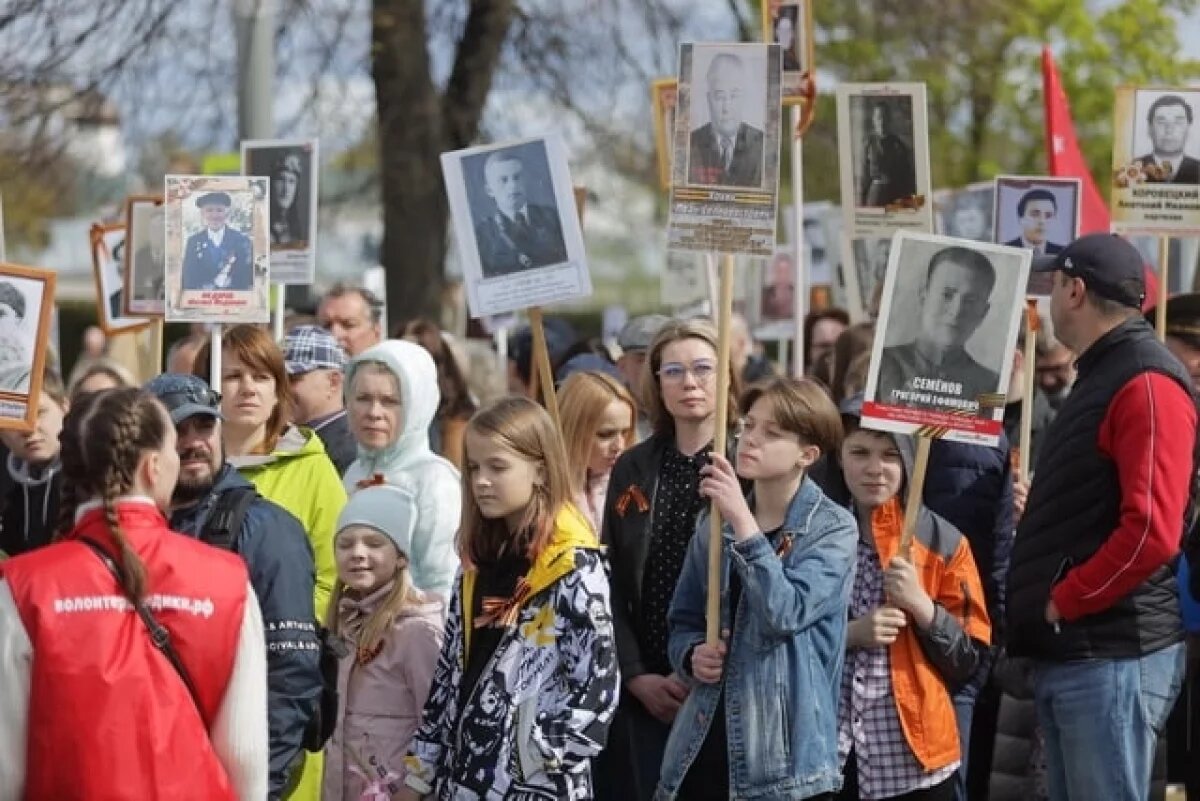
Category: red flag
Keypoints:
(1066, 159)
(1062, 147)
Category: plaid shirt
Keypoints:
(868, 721)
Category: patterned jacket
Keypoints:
(541, 709)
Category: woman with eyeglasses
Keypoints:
(649, 516)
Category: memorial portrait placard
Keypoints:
(789, 24)
(292, 167)
(725, 168)
(949, 317)
(516, 225)
(1156, 161)
(663, 95)
(26, 309)
(1039, 213)
(108, 253)
(218, 249)
(145, 256)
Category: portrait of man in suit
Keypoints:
(217, 257)
(516, 235)
(952, 303)
(726, 151)
(1036, 210)
(889, 170)
(1169, 123)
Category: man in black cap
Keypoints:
(217, 258)
(214, 504)
(1092, 596)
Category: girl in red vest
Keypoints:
(90, 708)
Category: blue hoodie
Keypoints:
(410, 463)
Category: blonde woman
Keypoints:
(598, 417)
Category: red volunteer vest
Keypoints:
(109, 718)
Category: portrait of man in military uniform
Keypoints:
(217, 257)
(515, 233)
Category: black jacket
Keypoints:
(338, 441)
(280, 562)
(29, 507)
(628, 517)
(1073, 508)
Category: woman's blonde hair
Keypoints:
(379, 622)
(582, 400)
(677, 331)
(523, 427)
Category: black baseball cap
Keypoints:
(185, 396)
(1108, 265)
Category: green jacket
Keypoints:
(299, 476)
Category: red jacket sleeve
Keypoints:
(1149, 432)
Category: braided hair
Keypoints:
(103, 438)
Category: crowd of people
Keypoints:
(341, 570)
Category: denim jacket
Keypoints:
(783, 670)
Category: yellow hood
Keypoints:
(571, 531)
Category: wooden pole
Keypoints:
(280, 292)
(541, 364)
(724, 315)
(214, 358)
(713, 281)
(1164, 275)
(801, 278)
(916, 486)
(1028, 375)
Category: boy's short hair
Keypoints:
(801, 406)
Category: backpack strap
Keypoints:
(225, 520)
(159, 636)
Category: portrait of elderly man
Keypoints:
(217, 257)
(518, 234)
(1169, 123)
(952, 303)
(725, 151)
(289, 223)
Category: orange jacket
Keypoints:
(942, 557)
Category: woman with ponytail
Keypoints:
(90, 705)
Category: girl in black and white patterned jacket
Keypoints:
(527, 680)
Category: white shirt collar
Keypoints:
(216, 237)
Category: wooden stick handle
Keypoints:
(916, 485)
(1028, 375)
(724, 314)
(541, 362)
(1164, 275)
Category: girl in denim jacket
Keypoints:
(761, 719)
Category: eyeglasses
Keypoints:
(674, 372)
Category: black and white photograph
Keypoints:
(108, 255)
(727, 117)
(789, 24)
(292, 167)
(26, 309)
(1040, 214)
(1156, 160)
(864, 268)
(218, 249)
(725, 172)
(966, 213)
(949, 316)
(883, 141)
(145, 256)
(516, 225)
(663, 95)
